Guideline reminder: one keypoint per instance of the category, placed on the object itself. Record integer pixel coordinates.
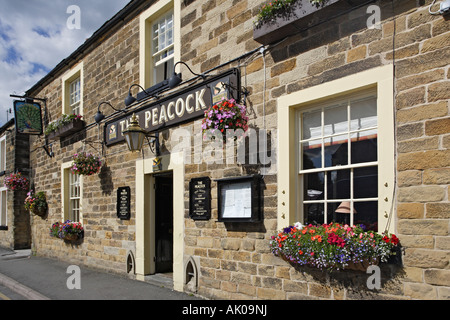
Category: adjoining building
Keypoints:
(348, 107)
(15, 229)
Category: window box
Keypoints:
(67, 129)
(303, 16)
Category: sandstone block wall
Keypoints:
(235, 260)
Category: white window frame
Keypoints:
(380, 79)
(330, 169)
(75, 96)
(3, 153)
(68, 80)
(74, 197)
(3, 207)
(147, 19)
(157, 52)
(67, 195)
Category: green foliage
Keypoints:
(36, 202)
(64, 120)
(331, 246)
(275, 8)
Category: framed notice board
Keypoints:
(200, 198)
(123, 203)
(239, 199)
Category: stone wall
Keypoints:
(110, 67)
(235, 261)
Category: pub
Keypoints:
(245, 151)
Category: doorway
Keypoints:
(164, 222)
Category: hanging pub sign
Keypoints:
(200, 198)
(183, 106)
(28, 117)
(123, 203)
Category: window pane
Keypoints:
(162, 33)
(365, 183)
(364, 149)
(336, 150)
(162, 41)
(313, 213)
(363, 114)
(367, 215)
(312, 155)
(338, 184)
(311, 125)
(339, 212)
(162, 71)
(169, 37)
(335, 119)
(75, 91)
(313, 186)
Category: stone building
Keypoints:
(346, 103)
(15, 230)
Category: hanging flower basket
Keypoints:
(15, 181)
(69, 230)
(64, 126)
(333, 246)
(86, 164)
(36, 203)
(223, 116)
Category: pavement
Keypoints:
(39, 278)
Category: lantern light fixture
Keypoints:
(135, 135)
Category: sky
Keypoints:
(35, 35)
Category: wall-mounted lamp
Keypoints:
(49, 150)
(175, 79)
(130, 99)
(100, 116)
(135, 135)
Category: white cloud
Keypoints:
(34, 38)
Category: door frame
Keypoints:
(145, 216)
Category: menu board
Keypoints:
(123, 203)
(200, 198)
(239, 199)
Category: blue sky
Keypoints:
(35, 37)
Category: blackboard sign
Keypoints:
(200, 198)
(123, 203)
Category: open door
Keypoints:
(164, 222)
